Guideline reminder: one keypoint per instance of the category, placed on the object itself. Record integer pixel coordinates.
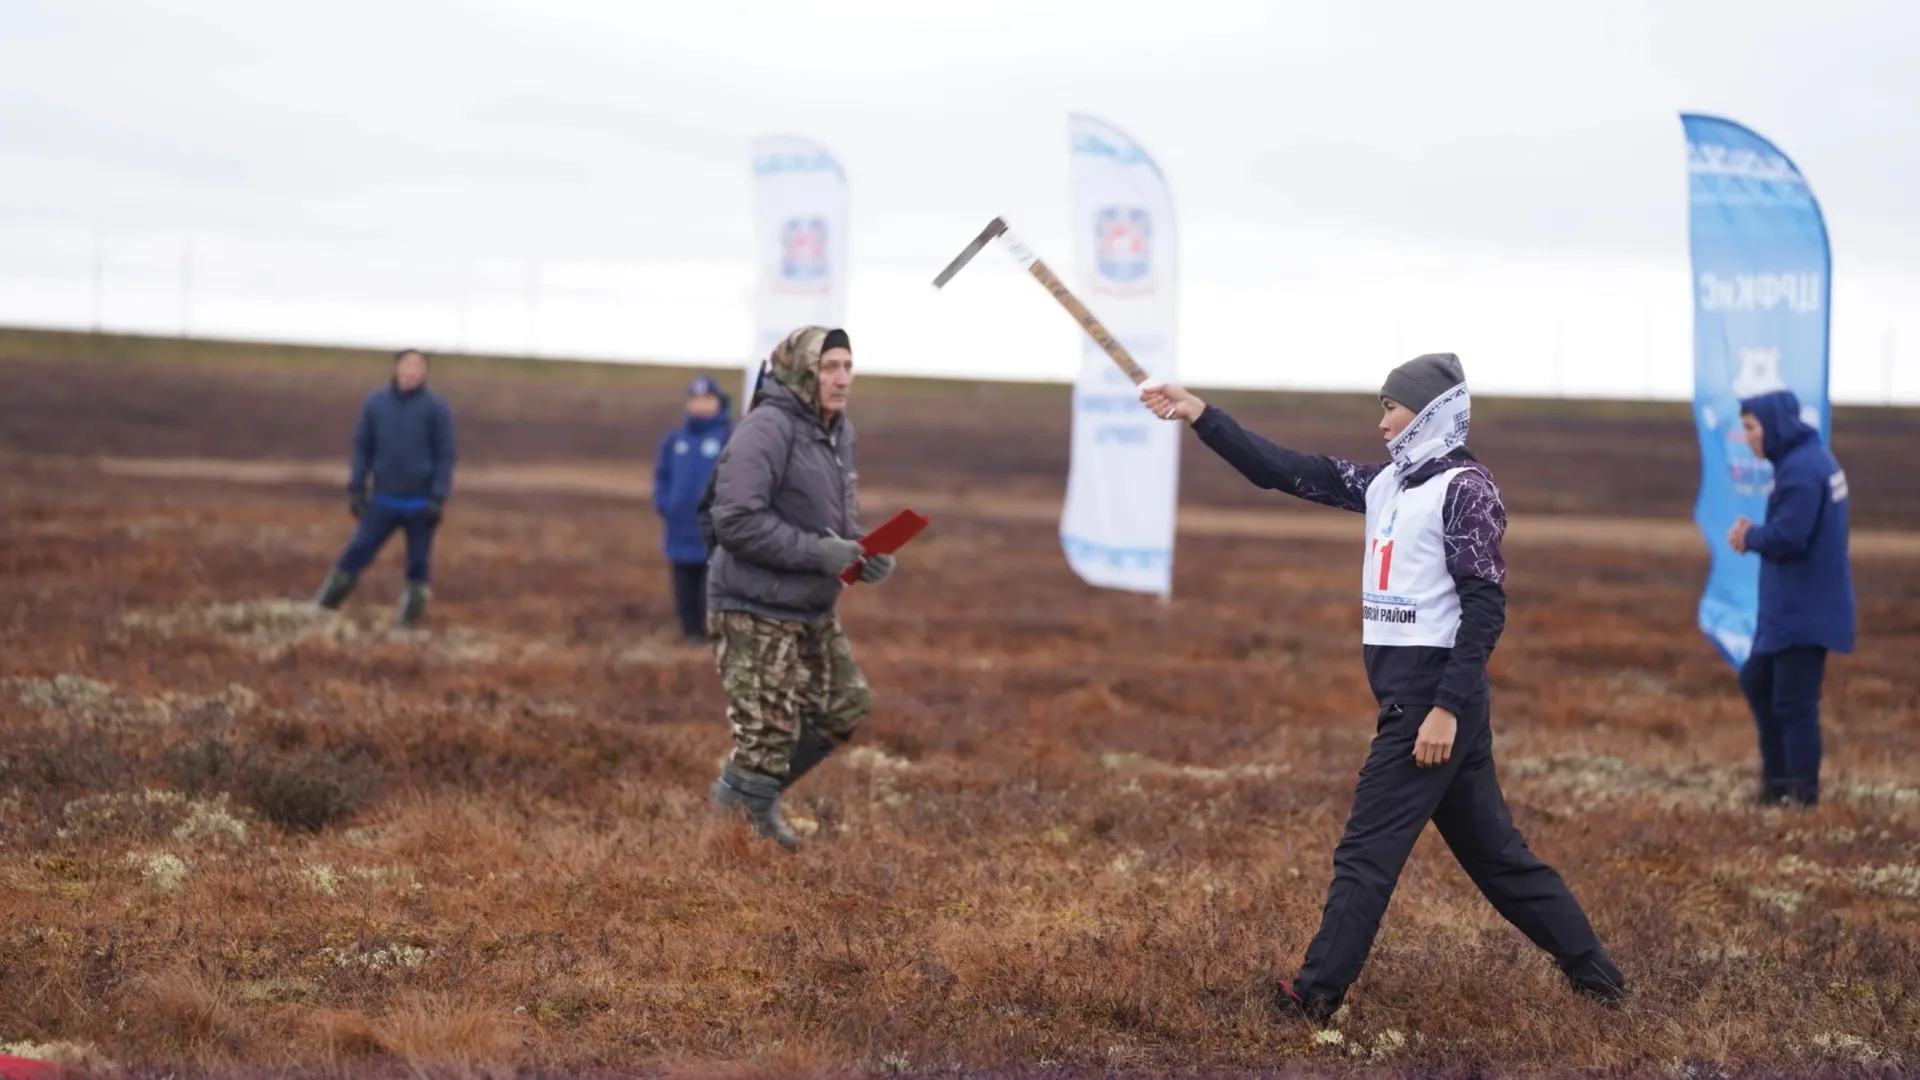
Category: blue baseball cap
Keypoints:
(703, 385)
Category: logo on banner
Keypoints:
(803, 255)
(1759, 373)
(1123, 251)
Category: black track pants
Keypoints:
(1393, 803)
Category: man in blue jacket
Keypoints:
(680, 470)
(405, 441)
(1806, 593)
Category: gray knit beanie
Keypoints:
(1418, 381)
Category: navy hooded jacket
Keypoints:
(681, 467)
(406, 441)
(1806, 585)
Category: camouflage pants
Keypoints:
(780, 675)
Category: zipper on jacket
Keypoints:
(840, 478)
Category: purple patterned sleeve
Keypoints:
(1355, 478)
(1475, 521)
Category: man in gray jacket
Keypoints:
(785, 514)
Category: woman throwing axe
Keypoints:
(1431, 609)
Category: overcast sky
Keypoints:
(1356, 181)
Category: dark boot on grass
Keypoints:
(1595, 978)
(413, 603)
(335, 589)
(1316, 1009)
(758, 796)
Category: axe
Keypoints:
(1026, 257)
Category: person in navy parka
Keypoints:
(680, 470)
(1806, 593)
(404, 444)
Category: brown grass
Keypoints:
(1080, 831)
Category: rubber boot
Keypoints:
(333, 591)
(759, 796)
(811, 749)
(413, 602)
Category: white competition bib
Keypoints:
(1407, 597)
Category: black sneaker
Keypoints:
(1316, 1009)
(1600, 989)
(1593, 975)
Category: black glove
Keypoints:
(356, 501)
(833, 555)
(876, 569)
(432, 511)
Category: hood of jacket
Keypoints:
(1437, 431)
(1782, 430)
(795, 364)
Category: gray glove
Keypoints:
(833, 555)
(876, 569)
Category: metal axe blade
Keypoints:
(994, 228)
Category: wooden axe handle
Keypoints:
(1046, 277)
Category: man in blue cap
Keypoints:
(1806, 593)
(680, 470)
